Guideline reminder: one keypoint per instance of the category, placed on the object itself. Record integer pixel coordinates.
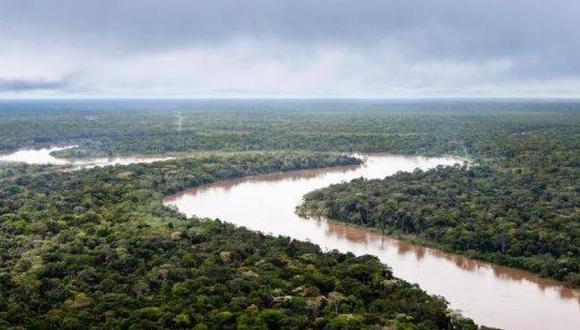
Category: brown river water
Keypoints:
(490, 294)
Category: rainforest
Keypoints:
(290, 164)
(98, 248)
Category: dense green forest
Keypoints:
(96, 248)
(16, 170)
(519, 206)
(155, 127)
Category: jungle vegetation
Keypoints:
(102, 128)
(96, 248)
(519, 206)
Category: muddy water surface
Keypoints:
(490, 294)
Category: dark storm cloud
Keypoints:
(24, 85)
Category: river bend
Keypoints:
(490, 294)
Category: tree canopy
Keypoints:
(96, 248)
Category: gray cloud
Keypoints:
(25, 85)
(536, 39)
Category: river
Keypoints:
(41, 156)
(489, 294)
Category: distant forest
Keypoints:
(464, 128)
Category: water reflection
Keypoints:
(490, 294)
(366, 237)
(40, 156)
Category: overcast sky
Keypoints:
(289, 48)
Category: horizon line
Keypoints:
(282, 98)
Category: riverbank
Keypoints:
(113, 257)
(567, 289)
(479, 211)
(267, 204)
